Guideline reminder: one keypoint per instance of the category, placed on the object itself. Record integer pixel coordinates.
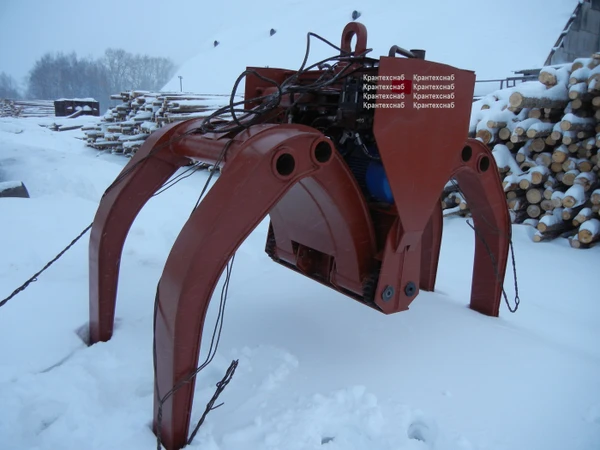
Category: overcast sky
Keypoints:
(179, 29)
(30, 28)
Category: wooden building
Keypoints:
(581, 36)
(74, 107)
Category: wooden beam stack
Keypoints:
(26, 108)
(7, 108)
(125, 127)
(545, 137)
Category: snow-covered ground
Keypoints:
(313, 365)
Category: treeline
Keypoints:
(8, 87)
(57, 75)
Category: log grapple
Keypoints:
(348, 158)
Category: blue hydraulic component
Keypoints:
(378, 184)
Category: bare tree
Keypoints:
(162, 71)
(129, 71)
(8, 87)
(53, 75)
(116, 62)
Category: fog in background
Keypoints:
(69, 48)
(31, 28)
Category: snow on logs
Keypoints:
(125, 127)
(26, 108)
(545, 136)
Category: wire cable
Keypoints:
(182, 176)
(34, 278)
(216, 336)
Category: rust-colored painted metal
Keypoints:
(352, 187)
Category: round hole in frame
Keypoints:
(285, 164)
(323, 152)
(484, 164)
(466, 153)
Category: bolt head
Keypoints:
(387, 294)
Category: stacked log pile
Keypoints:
(125, 127)
(8, 109)
(545, 137)
(26, 108)
(35, 108)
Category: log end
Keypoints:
(585, 236)
(515, 100)
(568, 201)
(538, 237)
(485, 135)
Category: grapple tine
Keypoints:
(264, 168)
(120, 205)
(431, 244)
(479, 180)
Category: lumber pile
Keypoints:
(124, 128)
(8, 109)
(545, 137)
(35, 108)
(26, 108)
(453, 201)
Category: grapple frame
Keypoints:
(322, 224)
